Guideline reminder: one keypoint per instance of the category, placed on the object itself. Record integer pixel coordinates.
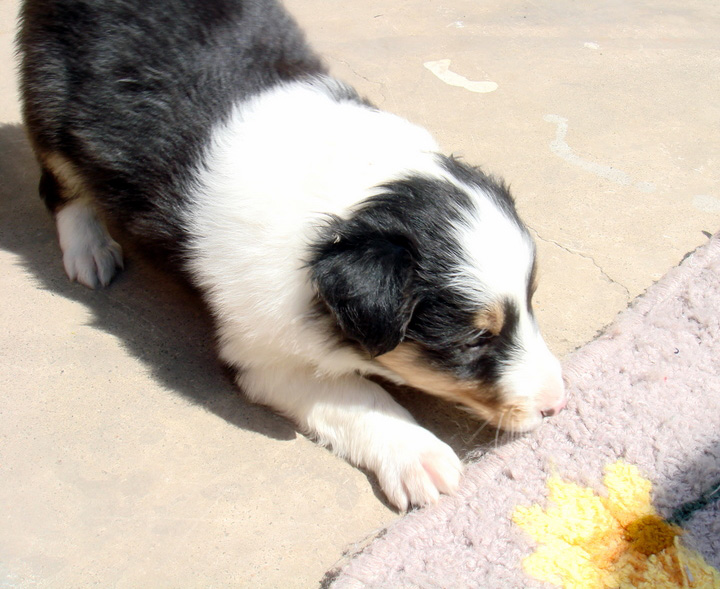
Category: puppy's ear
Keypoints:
(365, 281)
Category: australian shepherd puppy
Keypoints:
(330, 239)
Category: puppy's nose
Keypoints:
(554, 398)
(556, 409)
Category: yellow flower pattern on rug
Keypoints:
(591, 542)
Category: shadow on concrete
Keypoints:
(158, 317)
(161, 319)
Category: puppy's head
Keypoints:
(433, 279)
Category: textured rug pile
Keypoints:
(620, 490)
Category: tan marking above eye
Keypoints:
(491, 318)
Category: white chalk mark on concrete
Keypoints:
(560, 148)
(592, 45)
(441, 69)
(706, 203)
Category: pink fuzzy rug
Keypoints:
(644, 394)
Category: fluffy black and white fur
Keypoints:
(330, 239)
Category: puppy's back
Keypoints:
(128, 91)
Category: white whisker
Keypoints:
(497, 431)
(477, 432)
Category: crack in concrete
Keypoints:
(584, 256)
(380, 85)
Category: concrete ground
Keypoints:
(128, 459)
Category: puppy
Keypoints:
(330, 239)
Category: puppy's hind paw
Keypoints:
(94, 266)
(90, 255)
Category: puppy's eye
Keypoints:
(478, 340)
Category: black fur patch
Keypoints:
(365, 279)
(129, 91)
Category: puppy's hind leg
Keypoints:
(90, 255)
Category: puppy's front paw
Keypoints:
(419, 468)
